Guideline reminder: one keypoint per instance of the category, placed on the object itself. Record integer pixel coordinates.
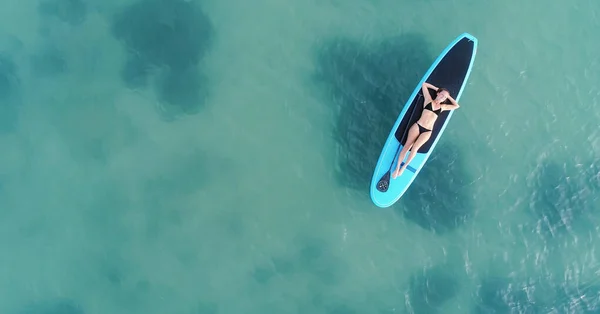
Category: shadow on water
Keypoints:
(430, 289)
(58, 306)
(369, 83)
(566, 197)
(439, 199)
(169, 39)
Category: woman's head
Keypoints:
(442, 95)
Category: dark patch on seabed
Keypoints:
(565, 198)
(72, 12)
(167, 38)
(369, 83)
(56, 306)
(9, 93)
(440, 197)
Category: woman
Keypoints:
(420, 132)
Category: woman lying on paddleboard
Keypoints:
(420, 132)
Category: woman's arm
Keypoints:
(453, 106)
(426, 94)
(429, 86)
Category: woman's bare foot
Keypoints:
(401, 170)
(395, 173)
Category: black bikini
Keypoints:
(430, 108)
(422, 128)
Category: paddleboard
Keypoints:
(451, 70)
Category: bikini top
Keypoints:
(430, 108)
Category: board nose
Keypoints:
(469, 37)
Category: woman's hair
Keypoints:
(439, 90)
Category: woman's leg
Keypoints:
(415, 148)
(413, 133)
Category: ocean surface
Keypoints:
(214, 156)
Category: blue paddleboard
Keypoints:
(451, 70)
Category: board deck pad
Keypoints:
(450, 70)
(449, 73)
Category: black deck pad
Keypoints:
(450, 73)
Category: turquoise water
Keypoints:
(190, 157)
